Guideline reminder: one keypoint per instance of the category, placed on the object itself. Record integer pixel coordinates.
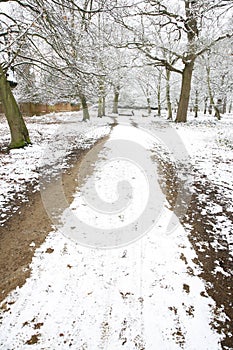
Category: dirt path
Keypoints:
(208, 240)
(27, 229)
(126, 293)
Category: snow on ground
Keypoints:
(139, 297)
(61, 131)
(210, 145)
(144, 295)
(206, 146)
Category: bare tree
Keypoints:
(187, 25)
(12, 34)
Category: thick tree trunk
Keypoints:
(168, 95)
(115, 101)
(185, 93)
(191, 26)
(18, 129)
(86, 115)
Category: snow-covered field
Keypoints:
(143, 293)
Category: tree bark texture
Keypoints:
(216, 110)
(182, 111)
(196, 104)
(168, 95)
(148, 105)
(159, 93)
(116, 101)
(191, 27)
(86, 115)
(19, 132)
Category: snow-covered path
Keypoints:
(144, 294)
(141, 297)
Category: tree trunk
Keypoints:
(148, 105)
(159, 93)
(168, 96)
(86, 115)
(182, 111)
(18, 129)
(191, 26)
(196, 104)
(101, 102)
(205, 105)
(100, 107)
(115, 101)
(230, 107)
(104, 106)
(224, 108)
(217, 113)
(216, 110)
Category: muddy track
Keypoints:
(209, 242)
(27, 229)
(32, 224)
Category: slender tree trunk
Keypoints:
(104, 105)
(18, 129)
(216, 110)
(100, 107)
(205, 105)
(86, 115)
(176, 105)
(230, 107)
(159, 93)
(224, 108)
(101, 102)
(115, 101)
(168, 95)
(148, 105)
(185, 93)
(196, 104)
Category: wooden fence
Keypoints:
(30, 109)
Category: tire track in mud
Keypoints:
(28, 227)
(33, 215)
(208, 240)
(211, 246)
